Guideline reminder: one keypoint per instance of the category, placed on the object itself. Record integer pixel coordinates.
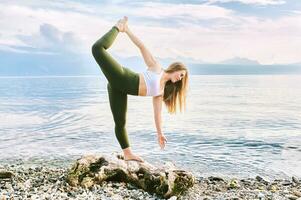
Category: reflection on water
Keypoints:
(234, 125)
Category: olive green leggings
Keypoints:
(121, 82)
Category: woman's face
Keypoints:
(177, 75)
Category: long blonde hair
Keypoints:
(175, 93)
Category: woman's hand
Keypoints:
(161, 140)
(122, 24)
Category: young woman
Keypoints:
(164, 85)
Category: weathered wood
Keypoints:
(165, 181)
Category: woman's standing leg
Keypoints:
(118, 104)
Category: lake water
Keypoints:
(236, 125)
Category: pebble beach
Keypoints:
(18, 181)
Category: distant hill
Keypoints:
(298, 64)
(22, 64)
(236, 69)
(239, 61)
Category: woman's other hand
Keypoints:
(126, 28)
(162, 140)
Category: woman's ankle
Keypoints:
(127, 151)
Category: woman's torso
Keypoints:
(142, 83)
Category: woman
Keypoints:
(168, 85)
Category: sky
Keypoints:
(210, 31)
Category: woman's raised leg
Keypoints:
(119, 77)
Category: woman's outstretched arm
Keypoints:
(157, 105)
(149, 60)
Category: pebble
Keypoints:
(295, 180)
(297, 193)
(260, 195)
(292, 197)
(215, 178)
(286, 183)
(6, 174)
(259, 178)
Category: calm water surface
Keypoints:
(234, 125)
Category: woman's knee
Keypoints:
(95, 50)
(98, 52)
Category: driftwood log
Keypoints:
(166, 181)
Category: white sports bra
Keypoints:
(152, 81)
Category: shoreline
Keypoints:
(46, 182)
(67, 161)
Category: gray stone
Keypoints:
(296, 193)
(292, 197)
(261, 195)
(295, 180)
(262, 180)
(215, 178)
(286, 183)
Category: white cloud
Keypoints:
(55, 5)
(257, 2)
(181, 11)
(21, 26)
(266, 40)
(52, 39)
(296, 11)
(203, 32)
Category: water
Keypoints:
(236, 125)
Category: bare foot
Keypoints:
(122, 24)
(133, 157)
